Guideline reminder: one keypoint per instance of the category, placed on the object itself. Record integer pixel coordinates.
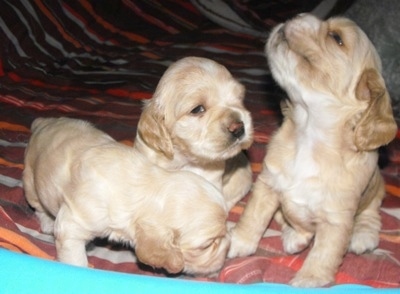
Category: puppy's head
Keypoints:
(185, 230)
(197, 110)
(205, 241)
(333, 63)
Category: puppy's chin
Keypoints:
(307, 53)
(282, 62)
(211, 151)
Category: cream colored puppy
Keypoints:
(196, 121)
(321, 166)
(83, 185)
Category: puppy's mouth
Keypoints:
(240, 135)
(237, 130)
(278, 36)
(281, 34)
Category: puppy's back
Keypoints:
(53, 148)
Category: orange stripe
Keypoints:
(390, 238)
(110, 27)
(256, 167)
(150, 55)
(23, 243)
(395, 191)
(127, 142)
(11, 247)
(13, 127)
(237, 209)
(11, 164)
(59, 27)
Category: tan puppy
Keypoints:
(196, 121)
(321, 165)
(83, 185)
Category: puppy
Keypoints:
(321, 169)
(196, 121)
(83, 185)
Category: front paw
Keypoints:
(241, 245)
(311, 280)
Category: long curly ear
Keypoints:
(159, 247)
(377, 126)
(152, 130)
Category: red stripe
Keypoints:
(62, 108)
(1, 68)
(38, 83)
(128, 94)
(113, 92)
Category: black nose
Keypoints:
(237, 129)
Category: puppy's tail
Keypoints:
(39, 123)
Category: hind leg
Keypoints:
(71, 239)
(46, 222)
(367, 223)
(46, 219)
(366, 232)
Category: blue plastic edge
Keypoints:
(20, 273)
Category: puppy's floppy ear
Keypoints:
(158, 247)
(376, 126)
(152, 130)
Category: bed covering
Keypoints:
(97, 60)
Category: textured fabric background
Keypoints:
(98, 60)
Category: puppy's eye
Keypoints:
(198, 109)
(335, 36)
(208, 245)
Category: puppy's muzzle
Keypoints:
(237, 129)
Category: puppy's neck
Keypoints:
(315, 116)
(210, 170)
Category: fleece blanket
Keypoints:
(98, 61)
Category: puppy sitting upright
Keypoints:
(321, 166)
(196, 121)
(83, 184)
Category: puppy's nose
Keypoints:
(237, 129)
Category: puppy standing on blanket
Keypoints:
(83, 184)
(321, 166)
(196, 121)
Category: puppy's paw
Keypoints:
(295, 242)
(46, 222)
(310, 280)
(364, 241)
(241, 245)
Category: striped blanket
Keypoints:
(97, 60)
